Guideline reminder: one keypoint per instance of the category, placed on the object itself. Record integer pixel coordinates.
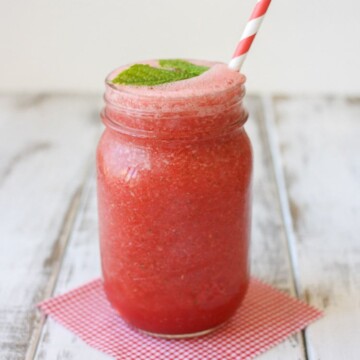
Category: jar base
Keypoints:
(180, 336)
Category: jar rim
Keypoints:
(209, 103)
(194, 89)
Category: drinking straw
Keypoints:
(247, 38)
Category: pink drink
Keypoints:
(174, 177)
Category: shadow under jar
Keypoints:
(174, 192)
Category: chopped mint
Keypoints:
(182, 65)
(141, 74)
(170, 71)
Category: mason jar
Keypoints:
(174, 169)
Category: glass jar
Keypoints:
(174, 194)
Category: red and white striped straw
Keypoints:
(248, 36)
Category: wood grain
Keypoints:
(270, 259)
(269, 252)
(305, 216)
(81, 264)
(320, 147)
(45, 144)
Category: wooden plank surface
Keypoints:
(270, 259)
(305, 217)
(81, 264)
(45, 144)
(269, 250)
(320, 149)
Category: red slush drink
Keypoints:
(174, 169)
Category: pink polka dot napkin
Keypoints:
(265, 318)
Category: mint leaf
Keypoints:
(170, 71)
(183, 65)
(140, 74)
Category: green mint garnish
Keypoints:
(170, 71)
(182, 65)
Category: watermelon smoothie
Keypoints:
(174, 168)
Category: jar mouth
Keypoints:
(208, 103)
(216, 86)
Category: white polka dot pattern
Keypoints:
(265, 318)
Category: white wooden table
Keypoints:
(306, 217)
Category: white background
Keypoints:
(305, 46)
